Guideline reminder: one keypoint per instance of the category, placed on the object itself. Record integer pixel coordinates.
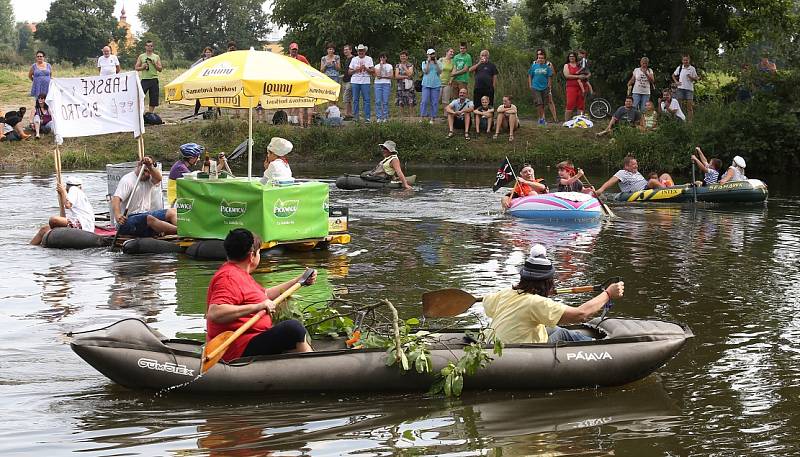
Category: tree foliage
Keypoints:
(7, 30)
(383, 25)
(187, 26)
(78, 29)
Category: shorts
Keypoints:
(348, 93)
(406, 97)
(151, 86)
(684, 94)
(539, 97)
(458, 123)
(575, 99)
(483, 124)
(505, 126)
(282, 337)
(136, 225)
(74, 223)
(12, 136)
(478, 93)
(446, 95)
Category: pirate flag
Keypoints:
(505, 174)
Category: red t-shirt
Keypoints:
(573, 83)
(233, 286)
(302, 58)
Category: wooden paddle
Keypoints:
(452, 302)
(606, 210)
(214, 349)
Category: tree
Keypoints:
(78, 29)
(383, 25)
(517, 32)
(187, 26)
(7, 30)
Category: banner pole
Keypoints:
(140, 144)
(57, 163)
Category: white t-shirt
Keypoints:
(333, 111)
(683, 77)
(107, 65)
(142, 200)
(630, 182)
(383, 73)
(361, 77)
(278, 170)
(641, 84)
(458, 105)
(674, 105)
(81, 210)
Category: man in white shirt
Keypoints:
(78, 212)
(361, 67)
(107, 64)
(670, 106)
(142, 220)
(629, 179)
(685, 76)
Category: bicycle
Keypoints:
(599, 108)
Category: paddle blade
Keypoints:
(210, 347)
(446, 302)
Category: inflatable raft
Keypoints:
(354, 182)
(750, 191)
(558, 205)
(135, 356)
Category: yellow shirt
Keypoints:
(521, 317)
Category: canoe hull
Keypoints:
(557, 206)
(750, 191)
(355, 182)
(142, 360)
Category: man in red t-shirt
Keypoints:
(302, 113)
(234, 297)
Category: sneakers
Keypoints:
(542, 122)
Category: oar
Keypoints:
(452, 302)
(239, 150)
(214, 349)
(606, 210)
(125, 214)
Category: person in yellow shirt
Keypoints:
(524, 314)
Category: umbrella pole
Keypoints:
(250, 142)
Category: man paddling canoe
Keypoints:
(524, 314)
(234, 297)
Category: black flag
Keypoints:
(505, 174)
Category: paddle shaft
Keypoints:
(221, 349)
(125, 213)
(694, 185)
(606, 210)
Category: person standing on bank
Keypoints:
(149, 66)
(40, 74)
(641, 80)
(485, 78)
(107, 64)
(685, 76)
(431, 83)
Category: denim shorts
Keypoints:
(136, 225)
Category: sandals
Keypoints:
(450, 135)
(466, 136)
(494, 137)
(511, 138)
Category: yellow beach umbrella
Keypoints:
(243, 79)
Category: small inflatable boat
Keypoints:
(750, 191)
(133, 355)
(558, 205)
(354, 182)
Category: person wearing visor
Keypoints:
(190, 155)
(525, 314)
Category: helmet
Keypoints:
(190, 150)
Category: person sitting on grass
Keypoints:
(649, 119)
(669, 106)
(569, 179)
(629, 179)
(13, 128)
(484, 114)
(42, 121)
(458, 113)
(78, 212)
(524, 313)
(506, 118)
(711, 168)
(142, 219)
(526, 185)
(624, 115)
(333, 116)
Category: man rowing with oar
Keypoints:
(132, 203)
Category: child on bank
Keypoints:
(583, 64)
(711, 168)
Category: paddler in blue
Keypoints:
(525, 314)
(190, 154)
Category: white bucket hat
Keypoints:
(390, 145)
(739, 162)
(279, 146)
(73, 181)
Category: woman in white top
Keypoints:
(735, 171)
(78, 212)
(277, 167)
(384, 73)
(640, 82)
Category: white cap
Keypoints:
(279, 146)
(431, 51)
(739, 162)
(73, 181)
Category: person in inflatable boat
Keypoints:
(78, 212)
(525, 314)
(735, 171)
(234, 297)
(388, 169)
(526, 185)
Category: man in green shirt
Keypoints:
(149, 65)
(461, 63)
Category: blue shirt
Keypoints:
(431, 79)
(540, 73)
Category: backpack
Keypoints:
(152, 119)
(280, 117)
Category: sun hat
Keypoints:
(739, 162)
(390, 145)
(537, 266)
(279, 146)
(431, 51)
(73, 181)
(293, 46)
(360, 47)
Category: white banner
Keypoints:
(96, 105)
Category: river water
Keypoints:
(730, 273)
